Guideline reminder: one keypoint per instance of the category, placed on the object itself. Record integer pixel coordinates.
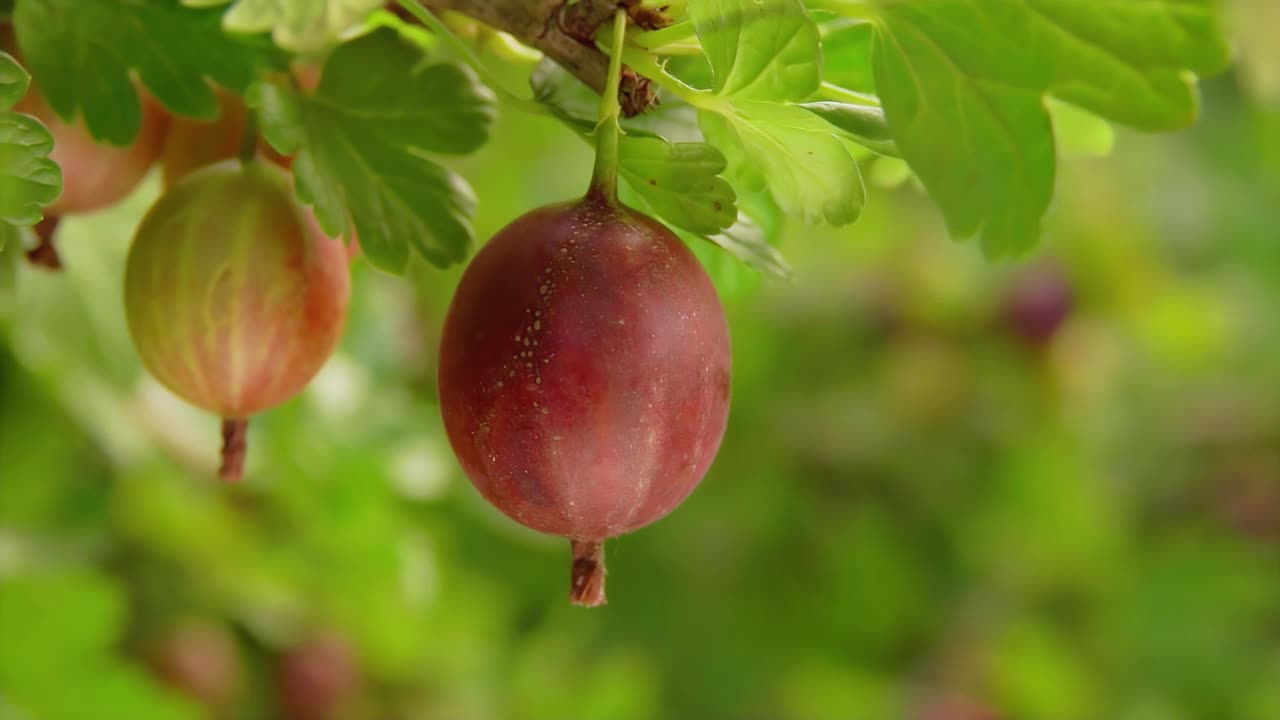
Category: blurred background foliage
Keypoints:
(950, 489)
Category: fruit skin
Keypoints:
(193, 144)
(232, 302)
(94, 174)
(584, 372)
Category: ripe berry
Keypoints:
(200, 659)
(316, 678)
(232, 301)
(584, 375)
(1037, 304)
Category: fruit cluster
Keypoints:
(584, 367)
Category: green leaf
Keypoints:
(364, 138)
(301, 25)
(889, 172)
(748, 242)
(846, 56)
(761, 54)
(680, 181)
(13, 81)
(864, 124)
(126, 690)
(59, 631)
(55, 619)
(1080, 132)
(963, 85)
(677, 180)
(28, 178)
(758, 49)
(575, 104)
(82, 54)
(808, 170)
(567, 97)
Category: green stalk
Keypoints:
(684, 49)
(604, 180)
(446, 35)
(249, 140)
(678, 34)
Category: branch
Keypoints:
(539, 24)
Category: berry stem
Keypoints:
(45, 254)
(249, 141)
(604, 181)
(586, 587)
(678, 34)
(235, 432)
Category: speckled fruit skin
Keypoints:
(232, 302)
(94, 174)
(584, 370)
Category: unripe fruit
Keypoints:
(192, 144)
(584, 375)
(96, 174)
(233, 303)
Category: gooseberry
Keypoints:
(316, 678)
(232, 302)
(584, 375)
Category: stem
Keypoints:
(678, 49)
(604, 181)
(235, 436)
(586, 584)
(508, 48)
(45, 254)
(537, 23)
(644, 64)
(670, 35)
(842, 94)
(249, 141)
(426, 17)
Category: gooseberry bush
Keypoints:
(585, 369)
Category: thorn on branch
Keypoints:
(566, 34)
(581, 20)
